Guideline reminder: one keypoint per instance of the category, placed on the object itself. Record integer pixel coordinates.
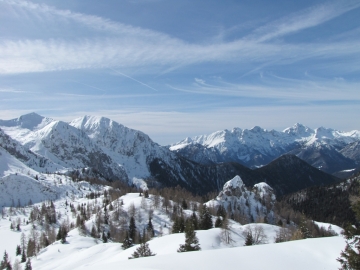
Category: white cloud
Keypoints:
(126, 47)
(281, 89)
(305, 19)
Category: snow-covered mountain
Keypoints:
(99, 147)
(257, 147)
(249, 205)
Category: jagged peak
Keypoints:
(299, 129)
(263, 189)
(257, 129)
(236, 182)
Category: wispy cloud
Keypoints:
(280, 88)
(305, 19)
(128, 47)
(10, 90)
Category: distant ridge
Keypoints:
(323, 148)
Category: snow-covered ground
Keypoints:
(19, 185)
(87, 253)
(84, 252)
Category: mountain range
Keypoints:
(99, 147)
(329, 150)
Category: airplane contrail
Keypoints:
(134, 79)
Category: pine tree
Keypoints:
(5, 263)
(184, 204)
(249, 239)
(104, 238)
(28, 265)
(23, 256)
(350, 257)
(18, 250)
(218, 222)
(150, 228)
(132, 229)
(62, 234)
(191, 241)
(205, 218)
(221, 212)
(175, 227)
(195, 221)
(142, 251)
(127, 242)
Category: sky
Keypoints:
(174, 69)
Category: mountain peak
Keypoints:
(257, 129)
(31, 121)
(234, 183)
(299, 130)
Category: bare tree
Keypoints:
(156, 201)
(257, 233)
(225, 234)
(132, 210)
(143, 204)
(283, 235)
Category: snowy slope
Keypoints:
(132, 149)
(81, 251)
(26, 156)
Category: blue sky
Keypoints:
(174, 69)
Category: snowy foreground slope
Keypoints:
(84, 252)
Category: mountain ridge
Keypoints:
(257, 147)
(116, 152)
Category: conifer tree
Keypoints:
(249, 239)
(221, 212)
(184, 204)
(205, 218)
(104, 238)
(23, 256)
(142, 251)
(132, 229)
(218, 222)
(191, 241)
(176, 227)
(150, 228)
(5, 263)
(194, 219)
(127, 242)
(62, 234)
(18, 250)
(350, 257)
